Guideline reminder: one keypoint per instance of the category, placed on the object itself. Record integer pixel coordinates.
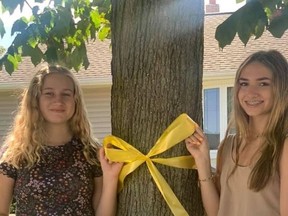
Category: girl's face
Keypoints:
(56, 101)
(255, 93)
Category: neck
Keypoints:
(57, 134)
(256, 128)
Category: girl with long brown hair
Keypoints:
(251, 175)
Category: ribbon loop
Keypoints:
(178, 130)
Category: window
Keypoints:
(212, 116)
(229, 102)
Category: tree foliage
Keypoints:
(253, 19)
(58, 32)
(2, 50)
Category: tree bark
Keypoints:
(157, 63)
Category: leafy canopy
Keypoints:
(57, 33)
(252, 19)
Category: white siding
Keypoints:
(8, 106)
(98, 106)
(97, 102)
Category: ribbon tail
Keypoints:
(169, 196)
(183, 162)
(126, 170)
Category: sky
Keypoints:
(224, 6)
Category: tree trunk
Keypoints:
(157, 62)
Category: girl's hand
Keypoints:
(109, 168)
(197, 145)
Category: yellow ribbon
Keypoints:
(180, 129)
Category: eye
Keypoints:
(49, 94)
(241, 83)
(264, 84)
(67, 94)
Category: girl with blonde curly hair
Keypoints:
(49, 161)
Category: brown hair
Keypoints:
(276, 129)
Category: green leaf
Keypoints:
(96, 18)
(84, 56)
(75, 60)
(58, 2)
(51, 55)
(226, 31)
(11, 5)
(35, 10)
(19, 25)
(33, 41)
(20, 39)
(103, 32)
(249, 16)
(279, 24)
(11, 64)
(239, 1)
(83, 26)
(259, 29)
(62, 22)
(36, 55)
(45, 19)
(247, 21)
(2, 29)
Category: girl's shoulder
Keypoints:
(8, 170)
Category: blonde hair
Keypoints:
(276, 129)
(27, 137)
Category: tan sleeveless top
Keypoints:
(236, 199)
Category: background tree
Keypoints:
(59, 31)
(65, 26)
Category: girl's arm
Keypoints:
(284, 180)
(198, 147)
(6, 194)
(105, 198)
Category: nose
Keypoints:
(252, 89)
(58, 98)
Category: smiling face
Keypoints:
(255, 90)
(56, 102)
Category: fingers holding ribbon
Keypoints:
(109, 168)
(197, 143)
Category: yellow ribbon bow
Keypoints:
(180, 129)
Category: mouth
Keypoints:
(253, 102)
(57, 110)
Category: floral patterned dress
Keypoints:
(61, 184)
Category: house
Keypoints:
(96, 84)
(219, 70)
(218, 77)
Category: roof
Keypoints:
(224, 63)
(217, 63)
(98, 72)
